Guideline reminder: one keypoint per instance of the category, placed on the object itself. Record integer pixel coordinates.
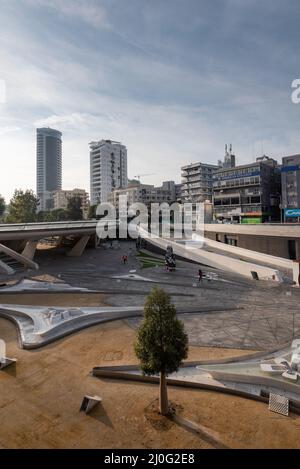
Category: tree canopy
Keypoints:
(2, 205)
(161, 343)
(74, 208)
(22, 207)
(58, 214)
(92, 211)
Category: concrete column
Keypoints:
(79, 247)
(29, 250)
(296, 273)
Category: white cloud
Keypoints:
(85, 10)
(8, 129)
(167, 114)
(73, 120)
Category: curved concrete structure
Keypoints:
(220, 377)
(22, 239)
(18, 259)
(212, 259)
(247, 254)
(285, 230)
(19, 231)
(41, 325)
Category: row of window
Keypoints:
(239, 172)
(247, 209)
(237, 182)
(237, 201)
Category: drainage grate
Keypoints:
(279, 404)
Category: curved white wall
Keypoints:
(218, 261)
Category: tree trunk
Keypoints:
(163, 394)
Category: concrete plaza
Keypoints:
(228, 311)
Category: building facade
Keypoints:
(145, 194)
(62, 197)
(197, 182)
(49, 165)
(248, 193)
(108, 169)
(197, 178)
(290, 187)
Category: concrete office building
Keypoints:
(145, 193)
(49, 165)
(248, 193)
(178, 193)
(62, 197)
(108, 169)
(197, 178)
(197, 182)
(290, 188)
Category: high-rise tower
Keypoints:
(108, 169)
(49, 165)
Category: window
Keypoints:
(235, 200)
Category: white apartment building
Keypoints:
(62, 197)
(108, 169)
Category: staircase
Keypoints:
(12, 262)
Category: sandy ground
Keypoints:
(40, 400)
(54, 299)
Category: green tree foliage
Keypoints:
(2, 206)
(92, 211)
(162, 342)
(53, 215)
(22, 207)
(74, 208)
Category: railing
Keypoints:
(45, 225)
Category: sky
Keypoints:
(173, 80)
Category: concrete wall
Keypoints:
(258, 239)
(265, 244)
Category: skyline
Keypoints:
(173, 83)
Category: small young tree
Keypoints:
(161, 343)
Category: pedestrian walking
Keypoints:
(200, 276)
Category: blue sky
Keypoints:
(174, 80)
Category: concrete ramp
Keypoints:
(247, 254)
(217, 261)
